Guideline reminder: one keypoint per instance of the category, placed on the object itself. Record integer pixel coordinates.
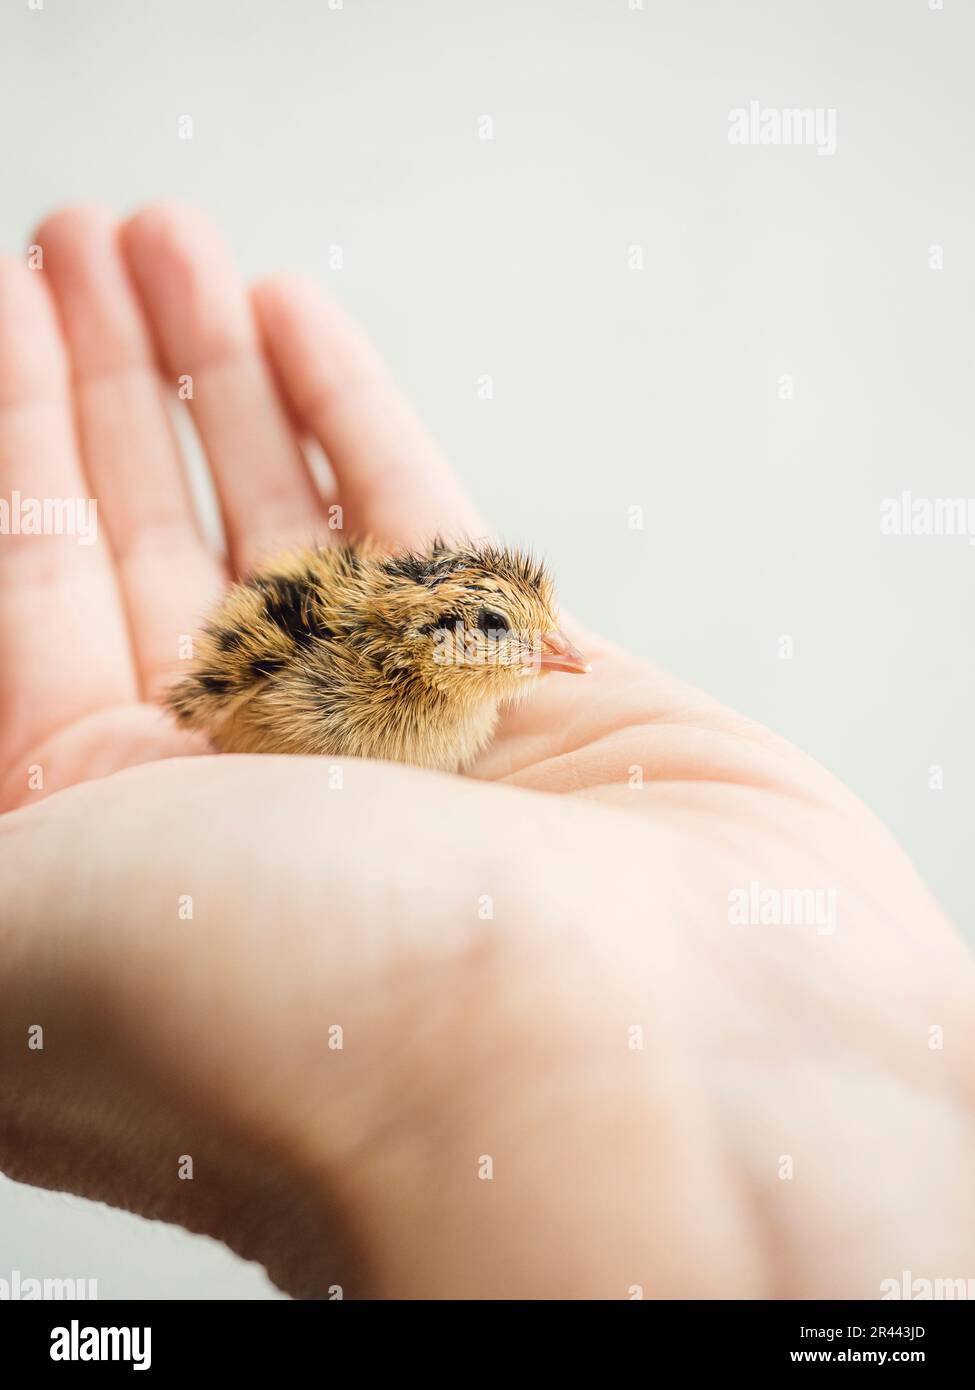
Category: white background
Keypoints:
(357, 127)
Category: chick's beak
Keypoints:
(558, 654)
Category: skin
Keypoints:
(464, 1036)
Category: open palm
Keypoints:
(771, 1041)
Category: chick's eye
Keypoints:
(488, 620)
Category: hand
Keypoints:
(490, 953)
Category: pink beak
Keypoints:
(558, 654)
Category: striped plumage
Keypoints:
(350, 650)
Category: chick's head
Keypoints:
(477, 620)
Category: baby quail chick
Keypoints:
(350, 650)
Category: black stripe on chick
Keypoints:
(291, 606)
